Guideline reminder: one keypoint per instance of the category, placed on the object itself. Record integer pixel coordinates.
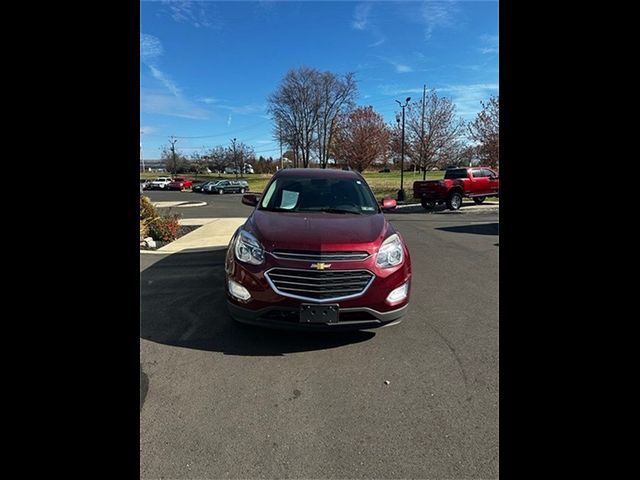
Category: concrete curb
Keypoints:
(182, 204)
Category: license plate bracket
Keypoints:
(311, 313)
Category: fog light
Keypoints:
(238, 291)
(399, 293)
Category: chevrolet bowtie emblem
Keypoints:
(320, 266)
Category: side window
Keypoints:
(489, 173)
(477, 173)
(269, 194)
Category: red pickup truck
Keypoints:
(472, 182)
(179, 183)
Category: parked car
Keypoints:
(477, 183)
(228, 186)
(144, 184)
(317, 253)
(179, 183)
(199, 187)
(160, 183)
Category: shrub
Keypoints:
(164, 228)
(147, 210)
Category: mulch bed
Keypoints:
(182, 230)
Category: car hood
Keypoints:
(318, 231)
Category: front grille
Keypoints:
(319, 285)
(310, 256)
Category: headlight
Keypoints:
(248, 248)
(390, 253)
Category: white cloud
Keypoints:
(378, 42)
(437, 15)
(147, 130)
(490, 44)
(467, 97)
(150, 48)
(161, 103)
(208, 100)
(158, 75)
(401, 68)
(190, 12)
(245, 109)
(398, 90)
(229, 120)
(490, 39)
(361, 16)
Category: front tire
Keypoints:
(428, 204)
(479, 200)
(455, 201)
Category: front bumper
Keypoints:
(270, 307)
(287, 318)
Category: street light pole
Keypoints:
(401, 194)
(141, 151)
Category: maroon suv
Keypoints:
(317, 253)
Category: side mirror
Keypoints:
(250, 199)
(388, 203)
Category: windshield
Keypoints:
(332, 195)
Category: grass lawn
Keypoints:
(382, 184)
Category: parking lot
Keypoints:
(224, 400)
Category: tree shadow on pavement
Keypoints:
(182, 303)
(480, 229)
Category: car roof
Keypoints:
(317, 173)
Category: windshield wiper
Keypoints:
(339, 210)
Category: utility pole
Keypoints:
(235, 159)
(401, 194)
(173, 141)
(424, 167)
(141, 151)
(280, 138)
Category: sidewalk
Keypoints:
(214, 233)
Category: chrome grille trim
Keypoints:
(337, 282)
(310, 256)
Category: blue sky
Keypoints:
(207, 68)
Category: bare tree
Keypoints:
(432, 131)
(239, 154)
(305, 108)
(337, 97)
(295, 109)
(361, 138)
(197, 163)
(485, 130)
(173, 161)
(218, 159)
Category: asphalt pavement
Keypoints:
(224, 400)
